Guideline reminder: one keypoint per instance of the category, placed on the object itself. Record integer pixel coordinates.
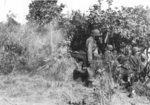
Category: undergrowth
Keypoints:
(33, 66)
(26, 56)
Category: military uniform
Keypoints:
(108, 55)
(135, 65)
(92, 49)
(125, 68)
(92, 53)
(135, 62)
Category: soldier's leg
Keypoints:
(92, 69)
(91, 73)
(133, 79)
(147, 75)
(90, 79)
(78, 69)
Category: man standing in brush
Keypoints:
(135, 65)
(92, 53)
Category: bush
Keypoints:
(26, 47)
(119, 27)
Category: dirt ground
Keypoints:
(38, 91)
(118, 99)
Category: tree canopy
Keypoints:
(122, 26)
(44, 11)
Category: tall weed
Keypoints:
(27, 47)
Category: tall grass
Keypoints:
(27, 47)
(42, 51)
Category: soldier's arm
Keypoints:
(89, 52)
(97, 55)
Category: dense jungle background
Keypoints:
(36, 66)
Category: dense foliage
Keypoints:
(25, 48)
(123, 26)
(44, 11)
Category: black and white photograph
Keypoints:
(74, 52)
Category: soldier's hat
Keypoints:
(96, 32)
(135, 49)
(109, 47)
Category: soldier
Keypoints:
(115, 54)
(135, 65)
(92, 52)
(135, 60)
(124, 65)
(144, 68)
(108, 55)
